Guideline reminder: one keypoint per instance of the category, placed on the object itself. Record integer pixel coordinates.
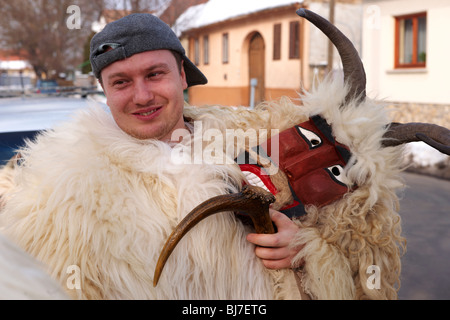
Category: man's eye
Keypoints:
(154, 74)
(119, 83)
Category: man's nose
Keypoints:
(143, 93)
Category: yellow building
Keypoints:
(245, 46)
(255, 50)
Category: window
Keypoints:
(196, 52)
(277, 41)
(225, 48)
(294, 40)
(206, 49)
(410, 41)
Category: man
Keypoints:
(145, 94)
(85, 212)
(96, 198)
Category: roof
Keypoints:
(11, 55)
(215, 11)
(14, 65)
(13, 61)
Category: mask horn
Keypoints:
(354, 74)
(252, 200)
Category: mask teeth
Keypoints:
(254, 180)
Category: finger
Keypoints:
(286, 228)
(272, 253)
(280, 219)
(277, 264)
(265, 240)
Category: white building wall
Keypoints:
(422, 85)
(347, 19)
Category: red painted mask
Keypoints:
(312, 160)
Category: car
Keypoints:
(46, 86)
(24, 117)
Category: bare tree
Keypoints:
(40, 31)
(176, 8)
(134, 6)
(147, 5)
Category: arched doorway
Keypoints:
(256, 63)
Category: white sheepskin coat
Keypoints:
(88, 195)
(23, 278)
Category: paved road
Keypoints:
(425, 211)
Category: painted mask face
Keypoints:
(312, 160)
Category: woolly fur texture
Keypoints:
(91, 196)
(343, 240)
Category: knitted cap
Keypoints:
(136, 33)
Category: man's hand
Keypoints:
(274, 249)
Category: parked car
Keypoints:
(22, 118)
(46, 86)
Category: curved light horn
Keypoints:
(354, 73)
(252, 200)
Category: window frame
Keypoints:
(414, 64)
(196, 51)
(294, 40)
(277, 29)
(206, 49)
(225, 47)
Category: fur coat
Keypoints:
(88, 195)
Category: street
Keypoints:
(425, 211)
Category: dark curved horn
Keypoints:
(252, 200)
(436, 136)
(354, 73)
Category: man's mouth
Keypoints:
(147, 114)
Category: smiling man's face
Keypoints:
(145, 94)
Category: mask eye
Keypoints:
(337, 173)
(310, 137)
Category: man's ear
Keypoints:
(103, 87)
(101, 82)
(183, 76)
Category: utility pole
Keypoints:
(330, 45)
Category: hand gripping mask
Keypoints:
(311, 160)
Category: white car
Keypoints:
(23, 117)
